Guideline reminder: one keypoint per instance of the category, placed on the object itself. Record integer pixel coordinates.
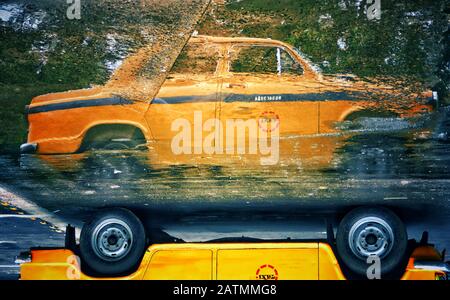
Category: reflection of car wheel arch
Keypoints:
(112, 137)
(369, 113)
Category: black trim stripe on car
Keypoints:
(263, 97)
(79, 104)
(200, 98)
(185, 99)
(293, 97)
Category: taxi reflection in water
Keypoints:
(215, 82)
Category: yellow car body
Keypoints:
(306, 103)
(228, 261)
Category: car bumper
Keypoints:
(28, 148)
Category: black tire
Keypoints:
(112, 243)
(368, 231)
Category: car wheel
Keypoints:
(112, 243)
(371, 231)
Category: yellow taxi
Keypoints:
(366, 247)
(231, 261)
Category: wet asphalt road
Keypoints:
(19, 232)
(318, 178)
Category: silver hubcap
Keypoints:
(112, 239)
(371, 236)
